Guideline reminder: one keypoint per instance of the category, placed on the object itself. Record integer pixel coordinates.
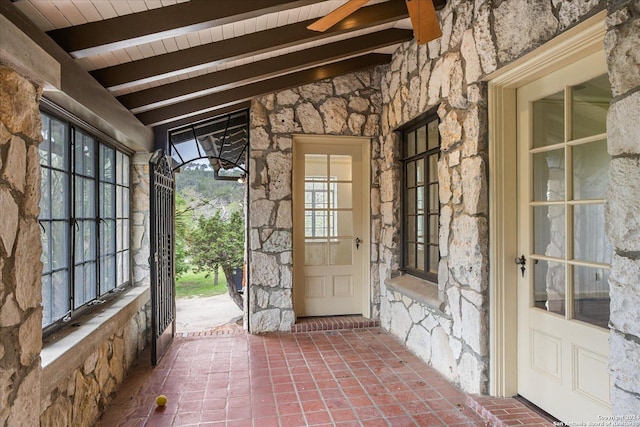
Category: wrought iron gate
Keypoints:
(163, 307)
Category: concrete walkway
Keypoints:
(200, 314)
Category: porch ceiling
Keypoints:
(177, 61)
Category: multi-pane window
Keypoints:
(319, 196)
(421, 150)
(84, 217)
(55, 218)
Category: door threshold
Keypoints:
(330, 323)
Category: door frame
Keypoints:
(365, 144)
(582, 40)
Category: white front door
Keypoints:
(563, 290)
(329, 227)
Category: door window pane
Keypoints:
(589, 238)
(591, 295)
(548, 120)
(590, 102)
(340, 195)
(549, 230)
(548, 176)
(340, 167)
(344, 224)
(341, 251)
(549, 286)
(590, 170)
(315, 252)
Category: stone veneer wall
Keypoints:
(140, 226)
(20, 250)
(81, 397)
(346, 105)
(21, 375)
(622, 211)
(478, 38)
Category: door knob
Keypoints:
(358, 241)
(522, 261)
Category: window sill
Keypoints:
(68, 349)
(419, 290)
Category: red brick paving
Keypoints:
(356, 377)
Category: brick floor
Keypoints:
(354, 377)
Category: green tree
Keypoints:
(183, 223)
(217, 242)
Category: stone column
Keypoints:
(20, 250)
(140, 211)
(622, 45)
(140, 227)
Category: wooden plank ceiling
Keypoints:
(171, 62)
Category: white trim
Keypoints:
(582, 40)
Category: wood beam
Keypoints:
(124, 31)
(244, 93)
(195, 58)
(232, 77)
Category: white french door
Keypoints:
(564, 257)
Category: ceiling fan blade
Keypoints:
(337, 15)
(424, 20)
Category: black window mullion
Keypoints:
(73, 225)
(96, 212)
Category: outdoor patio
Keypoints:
(345, 377)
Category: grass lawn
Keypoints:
(195, 284)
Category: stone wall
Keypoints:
(346, 105)
(81, 397)
(140, 226)
(622, 214)
(20, 250)
(478, 38)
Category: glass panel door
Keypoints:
(569, 162)
(328, 210)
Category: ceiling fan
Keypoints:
(422, 13)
